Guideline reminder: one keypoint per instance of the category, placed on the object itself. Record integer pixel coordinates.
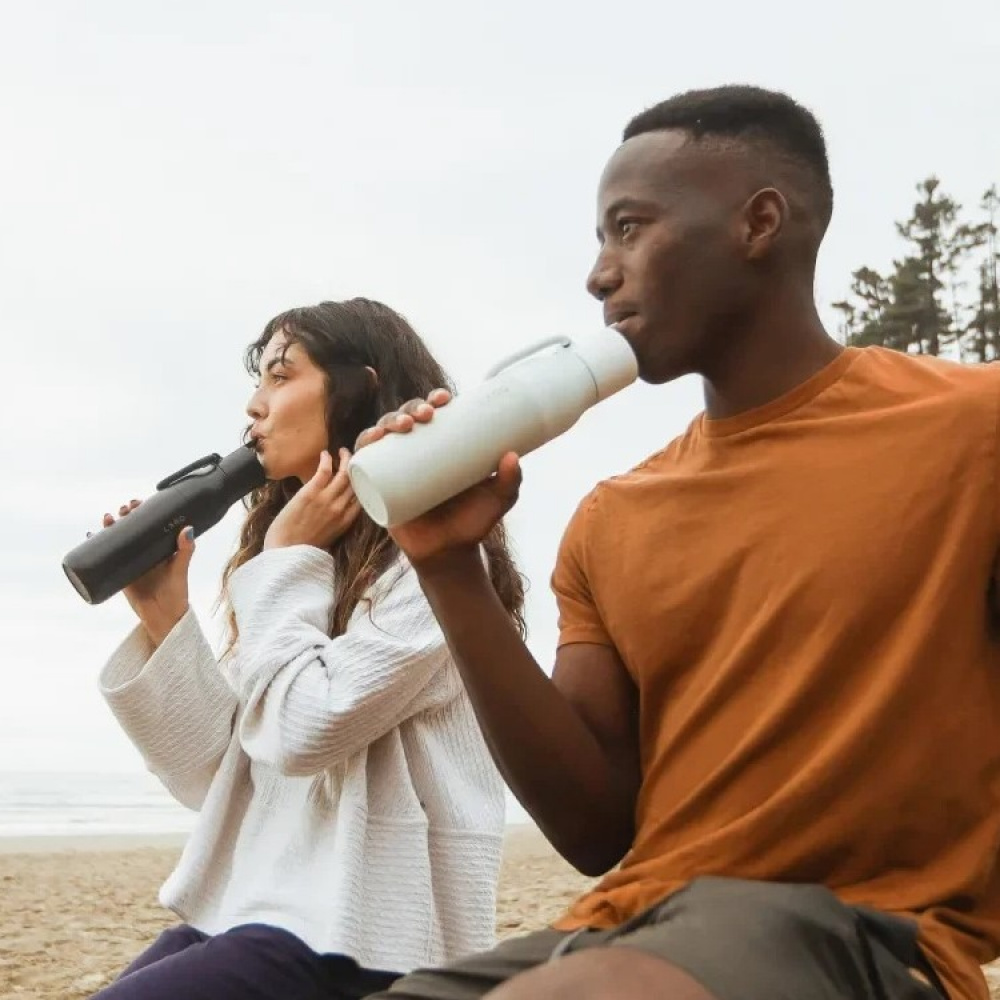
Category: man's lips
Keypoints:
(622, 321)
(614, 314)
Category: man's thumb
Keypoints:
(507, 482)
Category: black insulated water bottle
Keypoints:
(197, 495)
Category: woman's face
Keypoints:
(288, 410)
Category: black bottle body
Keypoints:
(198, 496)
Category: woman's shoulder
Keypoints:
(394, 600)
(399, 573)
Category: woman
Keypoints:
(350, 815)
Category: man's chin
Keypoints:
(659, 371)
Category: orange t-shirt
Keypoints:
(800, 595)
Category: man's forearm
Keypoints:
(551, 760)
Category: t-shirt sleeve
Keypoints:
(579, 618)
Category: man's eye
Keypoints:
(627, 227)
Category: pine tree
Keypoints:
(919, 307)
(938, 243)
(864, 312)
(982, 335)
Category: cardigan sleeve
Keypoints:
(174, 705)
(312, 701)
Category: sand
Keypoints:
(76, 911)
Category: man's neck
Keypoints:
(768, 358)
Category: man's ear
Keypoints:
(764, 218)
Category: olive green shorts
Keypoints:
(740, 940)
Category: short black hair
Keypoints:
(750, 115)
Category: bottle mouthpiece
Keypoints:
(610, 358)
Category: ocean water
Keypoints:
(41, 804)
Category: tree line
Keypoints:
(941, 296)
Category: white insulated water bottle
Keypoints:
(525, 401)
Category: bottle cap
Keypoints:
(610, 358)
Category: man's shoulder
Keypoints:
(926, 372)
(623, 486)
(651, 466)
(925, 395)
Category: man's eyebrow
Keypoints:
(625, 203)
(629, 203)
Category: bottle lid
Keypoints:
(610, 358)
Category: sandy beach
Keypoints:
(75, 911)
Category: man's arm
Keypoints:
(567, 747)
(993, 594)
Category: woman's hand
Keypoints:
(160, 596)
(321, 511)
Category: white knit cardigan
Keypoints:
(345, 791)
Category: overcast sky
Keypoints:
(173, 174)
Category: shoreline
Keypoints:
(88, 843)
(77, 843)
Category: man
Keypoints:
(776, 699)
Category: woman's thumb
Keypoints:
(185, 544)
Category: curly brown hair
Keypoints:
(343, 339)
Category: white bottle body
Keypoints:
(518, 409)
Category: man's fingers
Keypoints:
(401, 421)
(398, 422)
(422, 410)
(418, 409)
(369, 436)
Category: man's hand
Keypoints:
(321, 511)
(457, 527)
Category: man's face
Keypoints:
(669, 268)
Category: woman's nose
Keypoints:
(255, 407)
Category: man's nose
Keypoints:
(605, 276)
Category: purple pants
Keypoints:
(253, 962)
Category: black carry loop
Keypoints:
(198, 495)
